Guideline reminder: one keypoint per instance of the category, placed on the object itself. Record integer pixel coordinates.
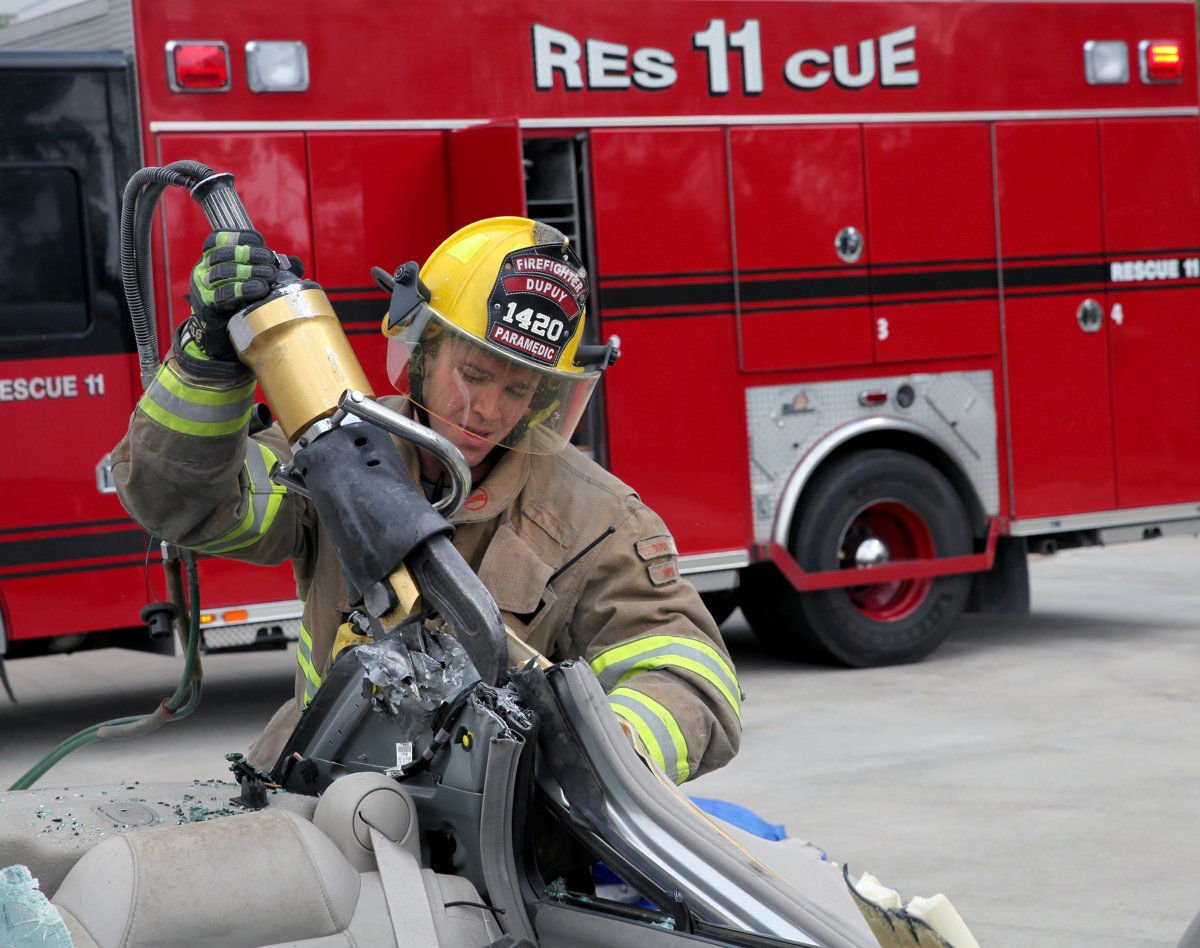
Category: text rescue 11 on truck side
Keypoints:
(49, 386)
(607, 65)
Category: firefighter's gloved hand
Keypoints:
(235, 270)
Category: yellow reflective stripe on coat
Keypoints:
(312, 678)
(197, 410)
(659, 731)
(617, 664)
(263, 499)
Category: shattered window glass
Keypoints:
(26, 916)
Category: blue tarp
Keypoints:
(740, 817)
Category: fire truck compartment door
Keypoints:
(378, 198)
(1151, 180)
(662, 240)
(1051, 236)
(1100, 219)
(487, 172)
(797, 193)
(934, 287)
(270, 171)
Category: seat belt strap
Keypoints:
(407, 898)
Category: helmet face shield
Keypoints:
(480, 395)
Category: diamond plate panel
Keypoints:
(235, 636)
(792, 427)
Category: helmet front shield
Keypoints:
(484, 391)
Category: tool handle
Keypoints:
(222, 206)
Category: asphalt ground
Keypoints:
(1040, 770)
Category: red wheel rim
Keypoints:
(886, 531)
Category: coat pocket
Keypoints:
(517, 579)
(514, 573)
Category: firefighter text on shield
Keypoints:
(888, 60)
(41, 387)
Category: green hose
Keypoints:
(185, 699)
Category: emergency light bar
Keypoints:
(198, 66)
(1161, 60)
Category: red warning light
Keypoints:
(1162, 60)
(197, 67)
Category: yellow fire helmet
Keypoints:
(488, 337)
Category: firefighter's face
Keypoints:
(474, 398)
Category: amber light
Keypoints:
(1162, 61)
(235, 615)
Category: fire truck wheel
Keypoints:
(869, 507)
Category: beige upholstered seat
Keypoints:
(258, 879)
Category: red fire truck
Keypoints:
(903, 290)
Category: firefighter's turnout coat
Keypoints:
(188, 473)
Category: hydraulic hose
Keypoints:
(222, 207)
(224, 210)
(179, 705)
(137, 213)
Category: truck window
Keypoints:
(42, 263)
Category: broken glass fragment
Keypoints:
(27, 918)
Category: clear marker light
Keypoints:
(275, 66)
(1106, 62)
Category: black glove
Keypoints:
(235, 270)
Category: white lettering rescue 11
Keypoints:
(43, 387)
(1165, 268)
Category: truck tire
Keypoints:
(872, 506)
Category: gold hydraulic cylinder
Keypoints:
(296, 348)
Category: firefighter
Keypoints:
(579, 566)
